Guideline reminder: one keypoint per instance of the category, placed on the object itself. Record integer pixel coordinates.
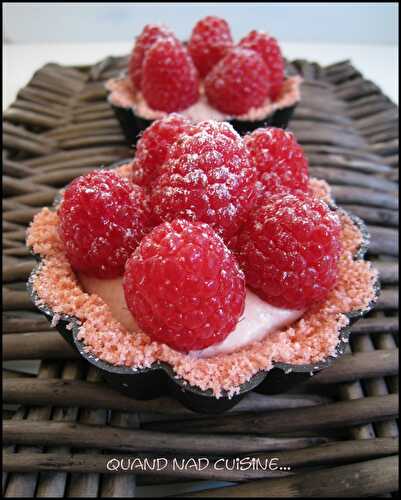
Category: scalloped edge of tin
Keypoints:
(286, 368)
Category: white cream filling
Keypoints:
(259, 318)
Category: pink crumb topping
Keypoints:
(309, 340)
(123, 94)
(125, 170)
(321, 189)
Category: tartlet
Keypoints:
(212, 384)
(209, 77)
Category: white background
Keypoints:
(372, 23)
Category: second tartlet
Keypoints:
(209, 78)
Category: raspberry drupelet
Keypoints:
(183, 286)
(268, 48)
(152, 147)
(289, 250)
(279, 160)
(102, 218)
(238, 83)
(150, 34)
(169, 78)
(207, 177)
(210, 40)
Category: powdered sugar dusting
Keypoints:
(207, 176)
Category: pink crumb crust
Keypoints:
(123, 94)
(309, 340)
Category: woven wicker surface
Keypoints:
(337, 432)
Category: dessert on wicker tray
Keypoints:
(209, 78)
(208, 265)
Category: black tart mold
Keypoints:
(160, 379)
(132, 124)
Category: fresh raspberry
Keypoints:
(279, 160)
(207, 177)
(150, 34)
(183, 286)
(239, 82)
(209, 42)
(269, 50)
(169, 79)
(289, 250)
(102, 219)
(152, 146)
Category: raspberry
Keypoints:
(270, 52)
(279, 160)
(239, 82)
(207, 178)
(150, 34)
(102, 219)
(151, 148)
(289, 251)
(183, 286)
(209, 42)
(169, 80)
